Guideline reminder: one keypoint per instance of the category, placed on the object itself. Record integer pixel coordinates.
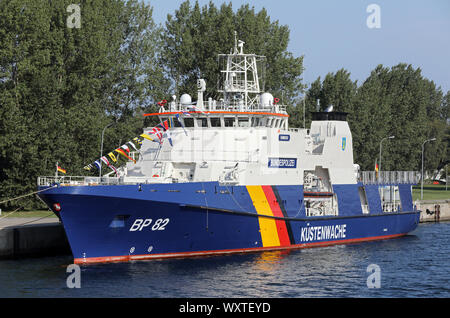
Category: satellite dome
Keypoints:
(266, 100)
(185, 99)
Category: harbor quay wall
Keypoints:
(434, 210)
(33, 240)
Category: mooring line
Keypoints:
(26, 195)
(9, 213)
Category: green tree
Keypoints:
(370, 120)
(59, 86)
(194, 36)
(400, 102)
(337, 90)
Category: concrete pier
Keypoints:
(29, 237)
(434, 211)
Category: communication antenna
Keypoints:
(240, 77)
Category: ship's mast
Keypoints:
(240, 78)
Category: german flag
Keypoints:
(61, 169)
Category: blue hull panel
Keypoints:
(124, 222)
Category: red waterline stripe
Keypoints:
(280, 224)
(124, 258)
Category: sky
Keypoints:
(335, 34)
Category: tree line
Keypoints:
(393, 101)
(61, 85)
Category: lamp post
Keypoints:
(381, 142)
(304, 112)
(421, 176)
(101, 146)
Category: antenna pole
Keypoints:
(304, 117)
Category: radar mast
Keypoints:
(240, 81)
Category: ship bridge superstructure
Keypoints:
(226, 140)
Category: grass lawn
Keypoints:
(29, 214)
(431, 192)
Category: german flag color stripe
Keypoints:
(276, 210)
(283, 211)
(274, 232)
(267, 226)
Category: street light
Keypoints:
(101, 146)
(390, 137)
(421, 186)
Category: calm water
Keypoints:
(413, 266)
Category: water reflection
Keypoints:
(270, 261)
(335, 271)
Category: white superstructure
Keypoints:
(244, 138)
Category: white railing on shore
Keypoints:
(387, 177)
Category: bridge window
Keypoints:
(215, 122)
(188, 122)
(256, 122)
(202, 122)
(229, 122)
(176, 123)
(243, 121)
(275, 122)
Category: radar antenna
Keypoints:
(240, 78)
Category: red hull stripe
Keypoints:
(281, 224)
(109, 259)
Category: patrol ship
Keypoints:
(231, 176)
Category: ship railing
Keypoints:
(391, 207)
(92, 181)
(67, 180)
(389, 177)
(234, 106)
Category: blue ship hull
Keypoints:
(126, 222)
